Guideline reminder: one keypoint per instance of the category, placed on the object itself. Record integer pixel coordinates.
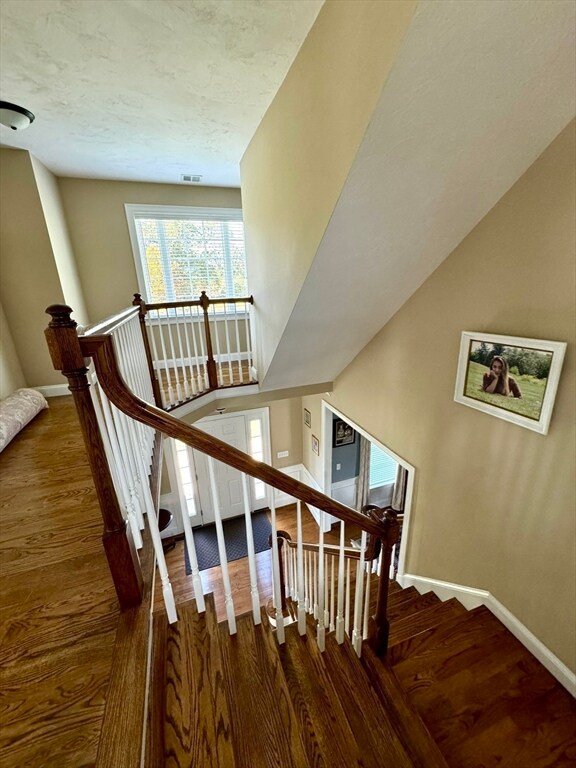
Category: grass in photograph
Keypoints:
(529, 405)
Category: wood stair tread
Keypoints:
(324, 728)
(197, 728)
(425, 619)
(473, 623)
(373, 729)
(264, 725)
(404, 717)
(405, 608)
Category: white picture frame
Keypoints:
(527, 397)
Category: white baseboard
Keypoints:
(472, 598)
(53, 390)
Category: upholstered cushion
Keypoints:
(16, 411)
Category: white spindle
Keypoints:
(340, 608)
(156, 359)
(357, 631)
(366, 604)
(182, 357)
(222, 549)
(321, 596)
(276, 575)
(332, 595)
(247, 309)
(302, 590)
(315, 582)
(188, 326)
(251, 555)
(114, 459)
(347, 608)
(228, 348)
(307, 581)
(238, 346)
(174, 359)
(169, 388)
(193, 560)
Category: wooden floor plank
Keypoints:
(58, 609)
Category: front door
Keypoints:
(232, 430)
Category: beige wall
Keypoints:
(98, 230)
(312, 461)
(11, 374)
(296, 164)
(59, 239)
(29, 276)
(494, 502)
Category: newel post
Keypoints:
(138, 301)
(67, 357)
(210, 362)
(379, 624)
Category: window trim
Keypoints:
(193, 213)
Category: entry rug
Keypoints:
(235, 537)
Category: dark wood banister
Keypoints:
(61, 336)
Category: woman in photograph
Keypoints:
(497, 381)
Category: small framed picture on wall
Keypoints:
(315, 445)
(307, 417)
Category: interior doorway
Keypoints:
(342, 447)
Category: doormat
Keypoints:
(206, 542)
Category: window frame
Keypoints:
(193, 213)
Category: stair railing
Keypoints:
(195, 347)
(119, 359)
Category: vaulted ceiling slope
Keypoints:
(478, 90)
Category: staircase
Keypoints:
(456, 690)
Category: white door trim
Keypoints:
(327, 434)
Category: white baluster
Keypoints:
(174, 359)
(347, 608)
(251, 555)
(228, 349)
(238, 346)
(306, 580)
(169, 388)
(340, 609)
(193, 560)
(114, 457)
(248, 308)
(187, 326)
(302, 589)
(187, 389)
(222, 549)
(276, 575)
(357, 631)
(366, 605)
(326, 593)
(156, 359)
(320, 597)
(332, 595)
(315, 582)
(201, 331)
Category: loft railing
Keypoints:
(107, 367)
(195, 347)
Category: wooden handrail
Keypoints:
(101, 349)
(194, 303)
(68, 351)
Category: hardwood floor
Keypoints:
(58, 608)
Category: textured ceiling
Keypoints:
(146, 90)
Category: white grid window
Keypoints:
(180, 252)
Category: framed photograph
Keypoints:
(344, 434)
(510, 377)
(307, 418)
(315, 445)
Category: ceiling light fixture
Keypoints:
(15, 117)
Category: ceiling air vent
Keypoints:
(189, 178)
